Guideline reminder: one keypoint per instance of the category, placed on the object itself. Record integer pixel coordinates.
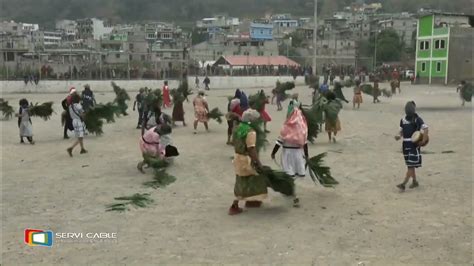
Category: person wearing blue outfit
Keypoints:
(244, 102)
(411, 150)
(324, 88)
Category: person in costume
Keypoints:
(24, 122)
(464, 92)
(244, 102)
(77, 114)
(201, 109)
(357, 99)
(249, 185)
(88, 99)
(155, 117)
(178, 107)
(293, 103)
(234, 114)
(206, 82)
(376, 91)
(66, 117)
(157, 143)
(332, 126)
(139, 104)
(264, 114)
(293, 141)
(166, 96)
(411, 150)
(338, 92)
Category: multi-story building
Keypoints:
(444, 50)
(69, 29)
(47, 39)
(404, 25)
(92, 28)
(283, 24)
(240, 44)
(260, 31)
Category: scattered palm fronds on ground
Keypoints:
(7, 110)
(160, 177)
(95, 116)
(138, 200)
(44, 110)
(279, 181)
(319, 172)
(215, 114)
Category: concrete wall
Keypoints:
(217, 83)
(461, 55)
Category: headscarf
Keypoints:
(291, 107)
(244, 101)
(238, 94)
(295, 128)
(410, 110)
(249, 119)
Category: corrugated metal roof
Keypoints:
(242, 60)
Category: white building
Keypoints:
(69, 28)
(92, 28)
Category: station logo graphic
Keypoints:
(36, 237)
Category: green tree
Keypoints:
(389, 46)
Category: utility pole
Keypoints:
(315, 33)
(375, 52)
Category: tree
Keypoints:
(389, 46)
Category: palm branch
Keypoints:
(138, 200)
(44, 110)
(367, 89)
(467, 92)
(6, 109)
(184, 90)
(312, 122)
(282, 88)
(215, 114)
(319, 172)
(279, 181)
(95, 116)
(257, 101)
(160, 179)
(338, 92)
(154, 98)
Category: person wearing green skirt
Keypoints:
(249, 185)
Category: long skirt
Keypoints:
(265, 116)
(201, 115)
(178, 112)
(411, 154)
(357, 98)
(250, 187)
(26, 129)
(293, 162)
(331, 126)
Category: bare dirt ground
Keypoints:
(364, 221)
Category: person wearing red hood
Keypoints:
(293, 140)
(66, 117)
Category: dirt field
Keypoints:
(364, 221)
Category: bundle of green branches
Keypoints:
(138, 200)
(6, 109)
(317, 114)
(338, 92)
(184, 90)
(44, 110)
(282, 88)
(121, 98)
(279, 181)
(257, 101)
(367, 89)
(160, 177)
(349, 83)
(466, 92)
(215, 114)
(153, 98)
(332, 110)
(319, 172)
(243, 128)
(95, 116)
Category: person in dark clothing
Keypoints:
(88, 99)
(66, 117)
(139, 104)
(410, 124)
(206, 82)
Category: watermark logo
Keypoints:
(36, 237)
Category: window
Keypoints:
(130, 46)
(117, 56)
(246, 53)
(438, 66)
(440, 44)
(143, 57)
(423, 67)
(260, 53)
(425, 45)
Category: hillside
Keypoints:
(182, 11)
